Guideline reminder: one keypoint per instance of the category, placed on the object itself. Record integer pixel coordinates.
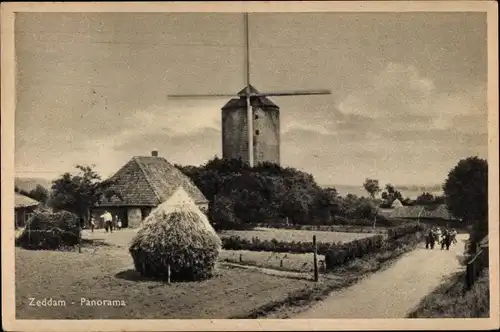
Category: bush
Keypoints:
(50, 231)
(181, 238)
(402, 230)
(344, 253)
(237, 243)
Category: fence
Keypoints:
(475, 266)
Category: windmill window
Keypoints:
(257, 132)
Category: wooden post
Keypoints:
(241, 258)
(168, 273)
(281, 263)
(315, 259)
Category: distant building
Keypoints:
(144, 183)
(266, 129)
(436, 212)
(396, 203)
(23, 209)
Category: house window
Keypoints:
(256, 116)
(257, 132)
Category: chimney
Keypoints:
(154, 153)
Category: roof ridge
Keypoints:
(148, 180)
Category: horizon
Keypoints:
(395, 115)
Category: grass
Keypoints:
(106, 273)
(288, 235)
(449, 301)
(278, 261)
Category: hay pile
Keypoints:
(50, 231)
(179, 236)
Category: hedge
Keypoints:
(336, 254)
(400, 231)
(237, 243)
(347, 252)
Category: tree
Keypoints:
(80, 193)
(391, 194)
(466, 195)
(425, 199)
(372, 187)
(40, 194)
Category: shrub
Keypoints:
(50, 231)
(344, 253)
(237, 243)
(181, 238)
(405, 229)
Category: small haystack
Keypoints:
(176, 235)
(50, 231)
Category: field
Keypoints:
(288, 235)
(106, 273)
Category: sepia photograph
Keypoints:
(249, 162)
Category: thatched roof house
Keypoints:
(422, 212)
(23, 209)
(144, 183)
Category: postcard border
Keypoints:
(7, 176)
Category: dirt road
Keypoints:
(394, 292)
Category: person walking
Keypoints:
(92, 224)
(108, 221)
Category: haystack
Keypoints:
(47, 230)
(177, 235)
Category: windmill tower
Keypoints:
(251, 122)
(265, 118)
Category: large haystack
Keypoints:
(46, 230)
(179, 236)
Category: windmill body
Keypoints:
(265, 126)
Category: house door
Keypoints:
(122, 214)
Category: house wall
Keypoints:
(22, 215)
(134, 217)
(97, 213)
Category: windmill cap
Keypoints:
(243, 92)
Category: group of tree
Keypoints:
(466, 195)
(77, 194)
(390, 194)
(241, 196)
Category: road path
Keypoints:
(394, 292)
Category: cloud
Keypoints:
(405, 99)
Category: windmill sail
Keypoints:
(250, 92)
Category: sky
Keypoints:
(408, 90)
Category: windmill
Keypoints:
(250, 93)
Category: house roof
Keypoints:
(149, 181)
(425, 212)
(24, 201)
(254, 101)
